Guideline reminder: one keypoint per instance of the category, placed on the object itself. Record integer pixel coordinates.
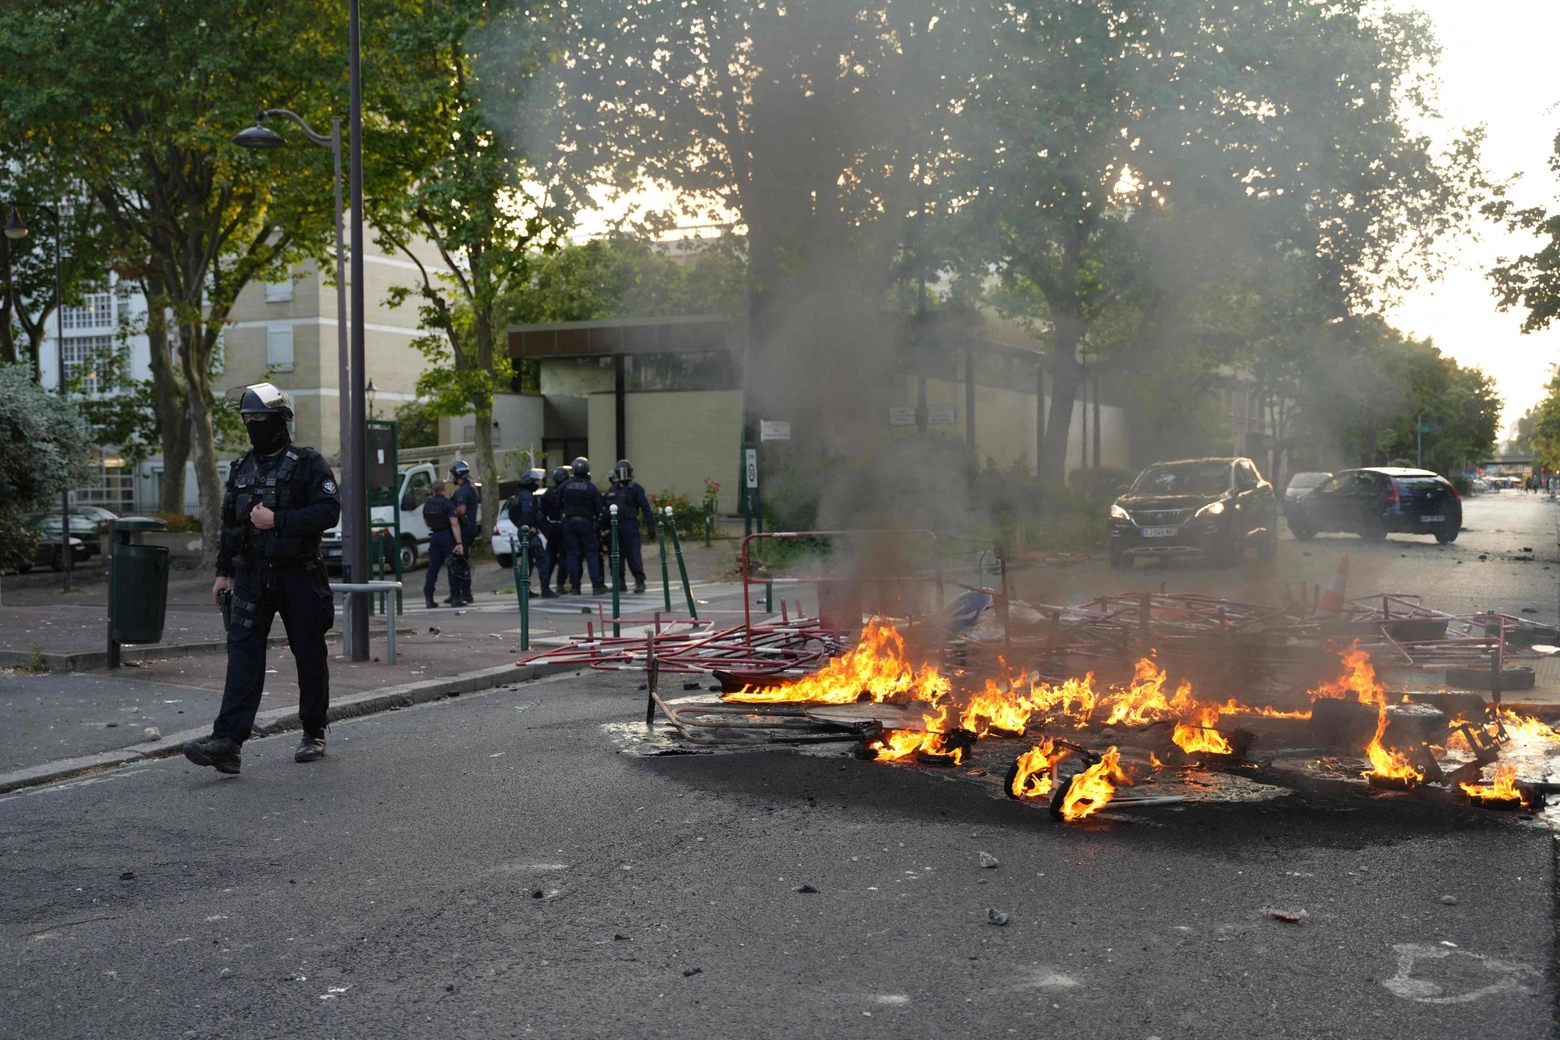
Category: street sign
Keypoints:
(774, 430)
(942, 415)
(901, 416)
(752, 467)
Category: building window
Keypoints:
(279, 348)
(95, 312)
(84, 357)
(279, 292)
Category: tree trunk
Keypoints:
(7, 302)
(195, 360)
(1066, 377)
(482, 407)
(168, 402)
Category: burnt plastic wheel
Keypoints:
(1301, 531)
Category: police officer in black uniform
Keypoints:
(580, 502)
(280, 498)
(631, 501)
(552, 529)
(525, 512)
(446, 542)
(467, 502)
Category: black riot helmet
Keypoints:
(460, 470)
(531, 479)
(623, 470)
(580, 467)
(265, 399)
(560, 475)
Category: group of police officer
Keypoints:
(573, 520)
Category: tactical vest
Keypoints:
(435, 515)
(277, 491)
(623, 498)
(575, 496)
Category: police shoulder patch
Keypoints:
(330, 487)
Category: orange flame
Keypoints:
(877, 667)
(1202, 738)
(1092, 789)
(1033, 777)
(1502, 786)
(1002, 706)
(1359, 678)
(899, 744)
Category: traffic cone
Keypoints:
(1331, 604)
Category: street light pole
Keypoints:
(15, 230)
(353, 461)
(260, 138)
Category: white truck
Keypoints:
(416, 488)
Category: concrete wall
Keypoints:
(518, 419)
(675, 439)
(1005, 425)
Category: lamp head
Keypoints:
(15, 230)
(259, 137)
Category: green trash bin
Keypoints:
(137, 584)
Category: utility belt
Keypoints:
(274, 563)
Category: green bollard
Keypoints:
(617, 575)
(682, 568)
(666, 580)
(520, 562)
(709, 524)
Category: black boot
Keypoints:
(219, 753)
(639, 586)
(598, 589)
(431, 604)
(452, 600)
(310, 749)
(574, 588)
(548, 593)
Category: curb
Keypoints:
(283, 720)
(88, 660)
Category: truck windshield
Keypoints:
(1184, 478)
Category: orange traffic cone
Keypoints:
(1331, 604)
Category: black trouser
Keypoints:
(259, 594)
(460, 577)
(579, 535)
(441, 550)
(628, 551)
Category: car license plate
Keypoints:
(1432, 519)
(1161, 532)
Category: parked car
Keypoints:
(83, 533)
(49, 555)
(1378, 500)
(97, 514)
(1302, 484)
(1214, 508)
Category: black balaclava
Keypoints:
(268, 435)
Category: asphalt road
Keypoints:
(493, 866)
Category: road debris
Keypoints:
(987, 860)
(996, 917)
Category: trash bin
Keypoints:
(137, 584)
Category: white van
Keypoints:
(416, 488)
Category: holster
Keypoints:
(225, 601)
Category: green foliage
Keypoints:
(688, 517)
(18, 540)
(1546, 425)
(417, 425)
(45, 447)
(621, 276)
(1531, 281)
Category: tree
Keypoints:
(619, 276)
(1530, 281)
(817, 127)
(1283, 125)
(137, 102)
(44, 449)
(473, 201)
(28, 294)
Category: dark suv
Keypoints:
(1377, 501)
(1213, 508)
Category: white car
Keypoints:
(416, 488)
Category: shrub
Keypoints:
(688, 517)
(180, 523)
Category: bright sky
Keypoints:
(1496, 69)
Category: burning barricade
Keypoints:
(903, 712)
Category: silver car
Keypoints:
(1302, 484)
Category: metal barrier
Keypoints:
(369, 588)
